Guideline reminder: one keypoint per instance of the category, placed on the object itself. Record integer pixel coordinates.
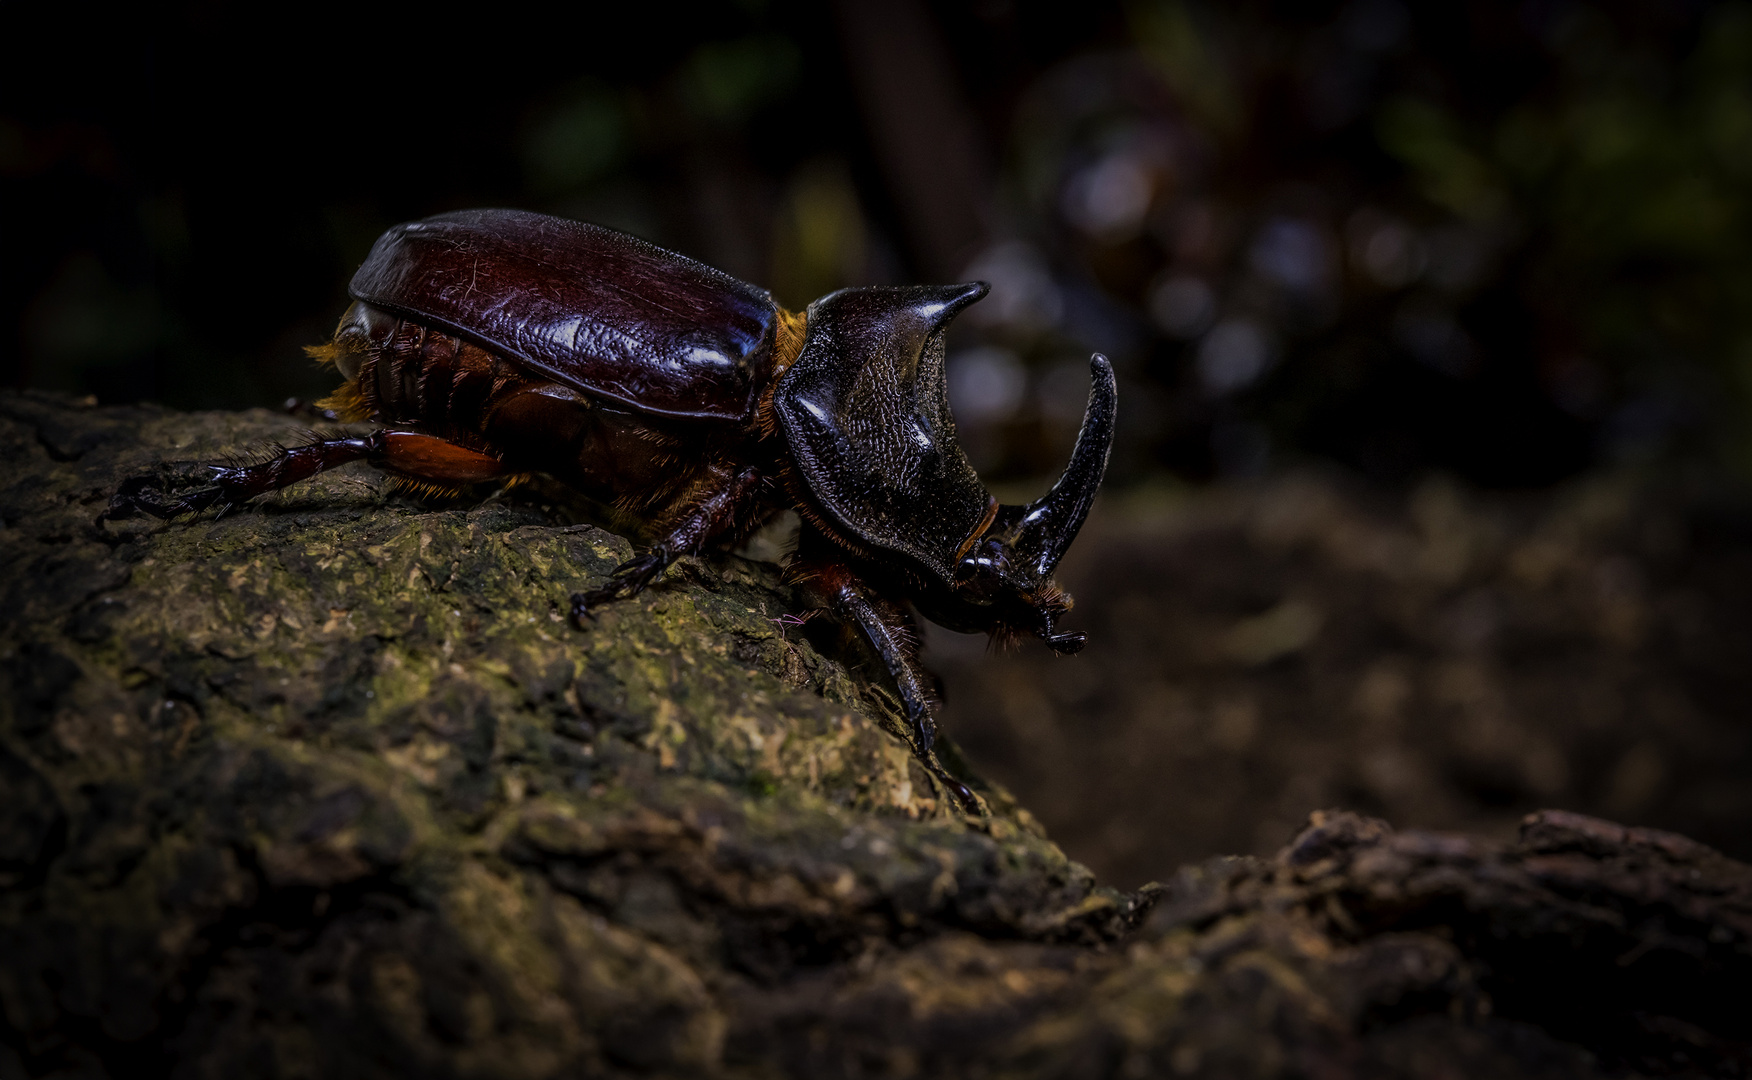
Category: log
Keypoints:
(330, 786)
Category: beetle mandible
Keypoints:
(487, 344)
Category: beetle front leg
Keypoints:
(891, 630)
(720, 512)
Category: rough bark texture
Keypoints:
(329, 787)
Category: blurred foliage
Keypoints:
(575, 140)
(728, 81)
(1507, 240)
(1502, 238)
(1629, 179)
(819, 235)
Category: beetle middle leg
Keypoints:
(891, 630)
(408, 453)
(720, 512)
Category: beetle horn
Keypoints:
(1050, 523)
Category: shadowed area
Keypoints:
(1444, 657)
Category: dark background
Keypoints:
(1500, 248)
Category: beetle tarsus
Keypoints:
(631, 577)
(1067, 644)
(629, 580)
(925, 744)
(132, 498)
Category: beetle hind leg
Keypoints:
(409, 454)
(233, 484)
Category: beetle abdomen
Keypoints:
(407, 375)
(402, 373)
(597, 310)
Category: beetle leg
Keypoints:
(892, 631)
(719, 513)
(629, 580)
(409, 453)
(234, 484)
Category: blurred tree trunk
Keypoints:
(923, 130)
(330, 787)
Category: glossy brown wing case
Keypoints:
(600, 311)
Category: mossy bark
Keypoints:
(329, 786)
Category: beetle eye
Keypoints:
(983, 575)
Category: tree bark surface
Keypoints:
(329, 786)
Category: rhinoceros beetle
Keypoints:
(487, 344)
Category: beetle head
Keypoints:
(865, 414)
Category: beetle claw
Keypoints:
(582, 603)
(629, 580)
(959, 791)
(925, 736)
(135, 496)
